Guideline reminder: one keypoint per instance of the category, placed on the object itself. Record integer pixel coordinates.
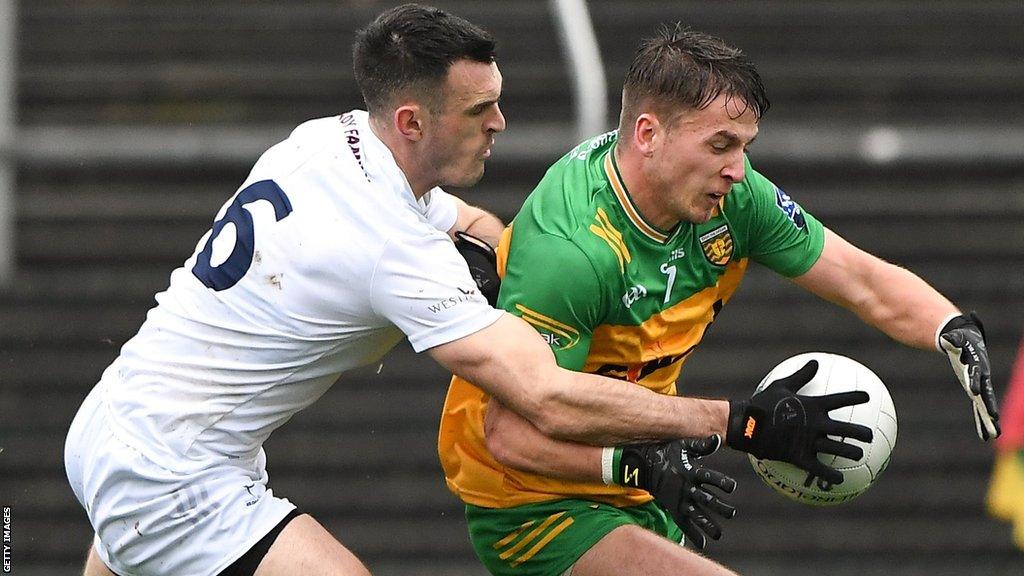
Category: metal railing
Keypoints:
(579, 43)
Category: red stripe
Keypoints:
(1011, 413)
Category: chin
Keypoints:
(471, 177)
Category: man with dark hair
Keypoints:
(337, 245)
(621, 258)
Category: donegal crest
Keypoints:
(717, 245)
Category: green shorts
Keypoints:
(547, 539)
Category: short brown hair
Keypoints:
(681, 69)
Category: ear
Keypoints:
(647, 133)
(409, 121)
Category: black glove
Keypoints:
(779, 424)
(482, 262)
(670, 471)
(963, 340)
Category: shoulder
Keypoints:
(566, 200)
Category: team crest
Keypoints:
(717, 245)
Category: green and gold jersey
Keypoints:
(616, 296)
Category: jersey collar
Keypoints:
(383, 166)
(611, 170)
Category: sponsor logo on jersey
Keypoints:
(677, 254)
(453, 301)
(354, 140)
(790, 208)
(582, 150)
(717, 245)
(611, 235)
(558, 335)
(633, 294)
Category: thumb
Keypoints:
(797, 380)
(700, 447)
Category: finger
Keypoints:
(701, 447)
(988, 396)
(797, 380)
(848, 429)
(715, 504)
(704, 521)
(716, 479)
(693, 535)
(974, 377)
(978, 426)
(830, 475)
(988, 428)
(842, 399)
(841, 449)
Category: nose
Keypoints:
(734, 171)
(497, 122)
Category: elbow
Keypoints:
(500, 439)
(501, 449)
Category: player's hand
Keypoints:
(963, 340)
(672, 473)
(483, 264)
(779, 424)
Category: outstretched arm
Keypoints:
(899, 303)
(892, 299)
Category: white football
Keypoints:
(836, 374)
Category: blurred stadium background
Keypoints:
(126, 124)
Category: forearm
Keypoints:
(892, 299)
(905, 307)
(477, 222)
(510, 362)
(516, 443)
(609, 412)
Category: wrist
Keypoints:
(943, 327)
(610, 457)
(735, 426)
(631, 465)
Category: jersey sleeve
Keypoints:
(442, 211)
(551, 284)
(422, 286)
(782, 235)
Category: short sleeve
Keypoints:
(550, 283)
(442, 211)
(783, 236)
(422, 286)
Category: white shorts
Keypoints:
(150, 520)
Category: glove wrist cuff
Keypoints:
(734, 431)
(944, 326)
(630, 466)
(610, 458)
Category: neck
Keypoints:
(642, 188)
(404, 153)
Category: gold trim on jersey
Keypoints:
(526, 540)
(652, 353)
(611, 235)
(627, 203)
(546, 323)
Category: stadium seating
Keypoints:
(896, 123)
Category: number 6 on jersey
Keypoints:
(227, 273)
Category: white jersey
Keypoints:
(321, 262)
